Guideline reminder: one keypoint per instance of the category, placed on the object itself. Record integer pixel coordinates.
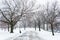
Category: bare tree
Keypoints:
(12, 13)
(52, 15)
(35, 24)
(43, 20)
(39, 23)
(47, 11)
(24, 23)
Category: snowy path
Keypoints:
(31, 35)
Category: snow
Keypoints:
(5, 35)
(45, 35)
(48, 35)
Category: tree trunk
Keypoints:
(47, 26)
(24, 27)
(39, 28)
(8, 27)
(35, 27)
(52, 29)
(11, 29)
(43, 26)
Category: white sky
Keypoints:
(38, 1)
(45, 1)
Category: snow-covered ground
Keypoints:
(5, 35)
(44, 35)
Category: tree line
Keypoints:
(16, 10)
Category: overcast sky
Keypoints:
(38, 1)
(45, 1)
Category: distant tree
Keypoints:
(43, 20)
(24, 24)
(47, 11)
(39, 23)
(35, 24)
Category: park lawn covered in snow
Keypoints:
(5, 35)
(48, 35)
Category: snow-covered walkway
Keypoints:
(28, 34)
(31, 35)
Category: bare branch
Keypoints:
(4, 16)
